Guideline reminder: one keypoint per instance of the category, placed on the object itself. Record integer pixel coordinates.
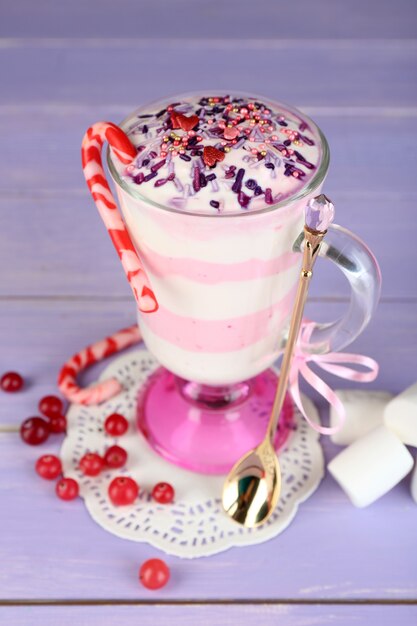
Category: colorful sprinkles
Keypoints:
(225, 144)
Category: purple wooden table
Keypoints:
(352, 66)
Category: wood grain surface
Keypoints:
(351, 66)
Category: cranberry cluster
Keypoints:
(122, 490)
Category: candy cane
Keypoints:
(107, 207)
(88, 356)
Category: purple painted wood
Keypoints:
(235, 19)
(361, 73)
(359, 90)
(205, 615)
(37, 336)
(62, 261)
(41, 152)
(52, 549)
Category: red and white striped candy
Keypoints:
(96, 180)
(88, 356)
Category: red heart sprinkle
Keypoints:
(187, 123)
(211, 155)
(174, 119)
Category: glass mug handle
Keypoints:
(99, 188)
(360, 267)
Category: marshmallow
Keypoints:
(364, 412)
(414, 483)
(400, 416)
(371, 466)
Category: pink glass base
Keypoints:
(207, 429)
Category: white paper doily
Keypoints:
(195, 525)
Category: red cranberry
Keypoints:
(116, 425)
(67, 489)
(34, 430)
(48, 466)
(11, 382)
(58, 424)
(91, 464)
(163, 493)
(154, 574)
(123, 490)
(51, 406)
(115, 457)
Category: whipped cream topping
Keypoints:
(219, 154)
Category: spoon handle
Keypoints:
(312, 241)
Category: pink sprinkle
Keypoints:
(230, 133)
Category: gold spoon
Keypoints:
(252, 488)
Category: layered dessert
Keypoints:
(219, 154)
(225, 287)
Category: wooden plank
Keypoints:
(66, 251)
(234, 19)
(38, 336)
(53, 550)
(41, 151)
(303, 72)
(206, 615)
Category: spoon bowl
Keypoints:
(252, 488)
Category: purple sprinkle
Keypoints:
(160, 113)
(143, 116)
(158, 166)
(178, 184)
(171, 176)
(237, 185)
(203, 180)
(243, 199)
(185, 157)
(299, 156)
(270, 166)
(282, 123)
(139, 178)
(144, 129)
(210, 177)
(287, 142)
(303, 126)
(268, 196)
(160, 182)
(153, 154)
(214, 204)
(150, 176)
(306, 140)
(230, 173)
(145, 162)
(258, 191)
(251, 183)
(196, 179)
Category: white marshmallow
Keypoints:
(400, 416)
(414, 483)
(371, 466)
(364, 412)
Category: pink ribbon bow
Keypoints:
(330, 363)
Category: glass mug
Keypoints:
(225, 285)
